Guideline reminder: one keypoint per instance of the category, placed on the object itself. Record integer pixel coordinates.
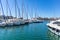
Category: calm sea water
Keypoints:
(35, 31)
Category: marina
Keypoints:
(16, 21)
(28, 32)
(29, 20)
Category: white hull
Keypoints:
(54, 26)
(2, 24)
(35, 20)
(22, 21)
(54, 31)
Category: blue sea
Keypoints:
(34, 31)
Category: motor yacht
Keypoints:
(54, 26)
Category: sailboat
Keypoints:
(21, 19)
(35, 20)
(9, 21)
(27, 19)
(12, 21)
(15, 20)
(2, 21)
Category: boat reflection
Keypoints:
(52, 36)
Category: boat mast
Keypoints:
(26, 8)
(35, 13)
(27, 14)
(15, 9)
(2, 9)
(19, 12)
(8, 8)
(18, 9)
(22, 8)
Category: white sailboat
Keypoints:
(2, 21)
(35, 20)
(22, 21)
(9, 22)
(16, 21)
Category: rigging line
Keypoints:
(2, 9)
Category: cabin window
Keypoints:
(53, 28)
(56, 23)
(57, 30)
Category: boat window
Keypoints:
(56, 23)
(57, 30)
(53, 28)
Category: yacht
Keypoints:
(9, 22)
(35, 20)
(54, 26)
(2, 23)
(16, 22)
(22, 21)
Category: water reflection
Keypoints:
(52, 36)
(35, 31)
(12, 33)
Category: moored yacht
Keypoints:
(54, 26)
(2, 23)
(22, 21)
(9, 22)
(35, 20)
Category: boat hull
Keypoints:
(54, 31)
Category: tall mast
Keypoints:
(2, 9)
(22, 8)
(8, 7)
(15, 9)
(27, 15)
(7, 4)
(35, 13)
(26, 12)
(32, 12)
(19, 12)
(18, 9)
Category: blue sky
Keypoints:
(43, 8)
